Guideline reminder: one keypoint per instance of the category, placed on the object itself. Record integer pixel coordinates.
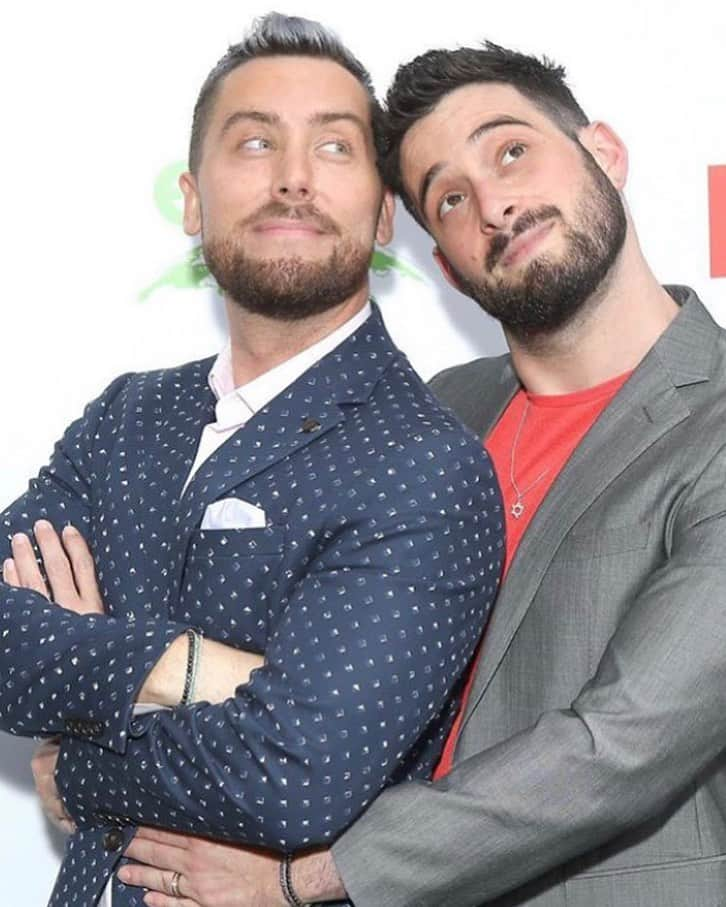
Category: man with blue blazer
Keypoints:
(589, 769)
(302, 496)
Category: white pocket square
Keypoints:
(232, 513)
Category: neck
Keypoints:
(259, 343)
(611, 335)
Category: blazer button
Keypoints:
(309, 426)
(113, 840)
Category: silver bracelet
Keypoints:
(288, 892)
(193, 655)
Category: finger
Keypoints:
(84, 569)
(52, 805)
(156, 899)
(10, 573)
(156, 880)
(56, 563)
(48, 749)
(44, 762)
(170, 838)
(51, 802)
(142, 876)
(29, 574)
(61, 819)
(161, 856)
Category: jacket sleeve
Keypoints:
(638, 734)
(59, 671)
(360, 665)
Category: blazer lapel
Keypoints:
(647, 406)
(304, 412)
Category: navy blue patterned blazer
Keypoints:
(366, 592)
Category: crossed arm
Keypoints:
(217, 873)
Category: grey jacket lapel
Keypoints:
(647, 407)
(478, 392)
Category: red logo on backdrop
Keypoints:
(717, 217)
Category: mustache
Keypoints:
(306, 213)
(525, 221)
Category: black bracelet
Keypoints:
(190, 679)
(288, 892)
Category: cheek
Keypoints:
(230, 202)
(465, 248)
(352, 201)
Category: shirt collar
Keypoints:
(258, 392)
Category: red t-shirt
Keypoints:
(531, 442)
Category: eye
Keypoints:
(256, 143)
(513, 152)
(449, 202)
(335, 146)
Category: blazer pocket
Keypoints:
(229, 584)
(216, 544)
(597, 542)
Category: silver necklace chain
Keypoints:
(518, 507)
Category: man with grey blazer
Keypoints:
(589, 769)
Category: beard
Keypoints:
(550, 293)
(288, 288)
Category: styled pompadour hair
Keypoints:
(277, 35)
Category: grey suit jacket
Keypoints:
(591, 770)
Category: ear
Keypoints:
(445, 267)
(384, 228)
(609, 151)
(192, 219)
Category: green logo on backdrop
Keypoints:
(191, 273)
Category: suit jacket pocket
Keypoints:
(590, 543)
(213, 544)
(230, 588)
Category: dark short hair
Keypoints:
(420, 85)
(277, 35)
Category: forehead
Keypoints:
(292, 87)
(438, 136)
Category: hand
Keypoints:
(43, 765)
(68, 565)
(211, 874)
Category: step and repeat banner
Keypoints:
(98, 277)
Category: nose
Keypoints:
(293, 179)
(497, 209)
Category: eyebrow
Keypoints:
(480, 130)
(323, 118)
(255, 116)
(333, 116)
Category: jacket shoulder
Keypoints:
(457, 380)
(460, 387)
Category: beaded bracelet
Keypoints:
(193, 653)
(288, 892)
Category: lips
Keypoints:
(286, 226)
(525, 243)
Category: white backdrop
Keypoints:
(96, 104)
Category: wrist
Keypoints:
(289, 892)
(164, 684)
(315, 878)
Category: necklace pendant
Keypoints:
(517, 509)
